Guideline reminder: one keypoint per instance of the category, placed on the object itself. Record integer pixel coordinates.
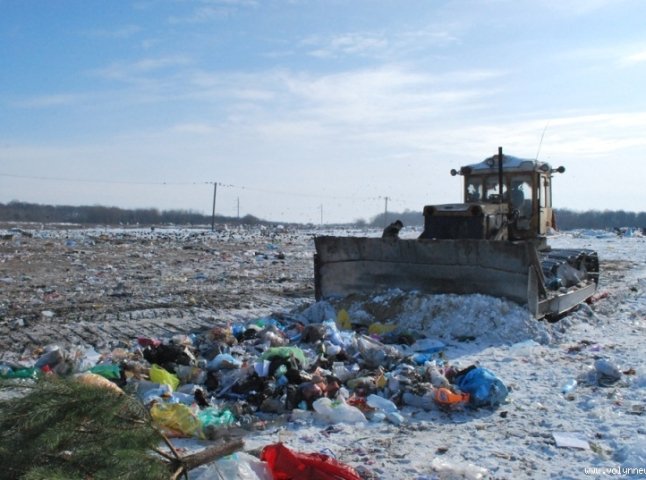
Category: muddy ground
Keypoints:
(105, 287)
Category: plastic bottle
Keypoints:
(395, 418)
(569, 386)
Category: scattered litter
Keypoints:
(285, 464)
(570, 440)
(607, 373)
(458, 470)
(369, 365)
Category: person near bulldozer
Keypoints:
(392, 230)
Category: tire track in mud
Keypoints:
(106, 290)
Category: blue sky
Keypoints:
(302, 106)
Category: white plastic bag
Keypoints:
(337, 411)
(239, 466)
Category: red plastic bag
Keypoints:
(286, 464)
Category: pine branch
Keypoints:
(68, 430)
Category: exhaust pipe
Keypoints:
(500, 173)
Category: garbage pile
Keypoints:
(241, 373)
(318, 364)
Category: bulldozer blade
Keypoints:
(347, 265)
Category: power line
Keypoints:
(84, 180)
(227, 185)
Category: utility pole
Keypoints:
(238, 208)
(386, 212)
(215, 192)
(321, 214)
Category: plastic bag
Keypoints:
(381, 403)
(213, 417)
(223, 361)
(160, 393)
(333, 335)
(111, 372)
(607, 372)
(159, 375)
(239, 466)
(484, 388)
(286, 464)
(343, 320)
(285, 352)
(463, 470)
(33, 373)
(176, 420)
(85, 359)
(337, 411)
(381, 329)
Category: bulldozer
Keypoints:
(493, 243)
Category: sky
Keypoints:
(317, 110)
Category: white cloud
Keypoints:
(347, 44)
(579, 7)
(381, 44)
(194, 128)
(207, 10)
(388, 95)
(123, 32)
(634, 58)
(134, 70)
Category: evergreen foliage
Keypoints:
(63, 429)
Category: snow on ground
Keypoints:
(535, 359)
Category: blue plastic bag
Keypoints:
(483, 386)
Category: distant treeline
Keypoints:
(91, 215)
(98, 215)
(607, 219)
(565, 219)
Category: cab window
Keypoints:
(520, 195)
(491, 189)
(474, 190)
